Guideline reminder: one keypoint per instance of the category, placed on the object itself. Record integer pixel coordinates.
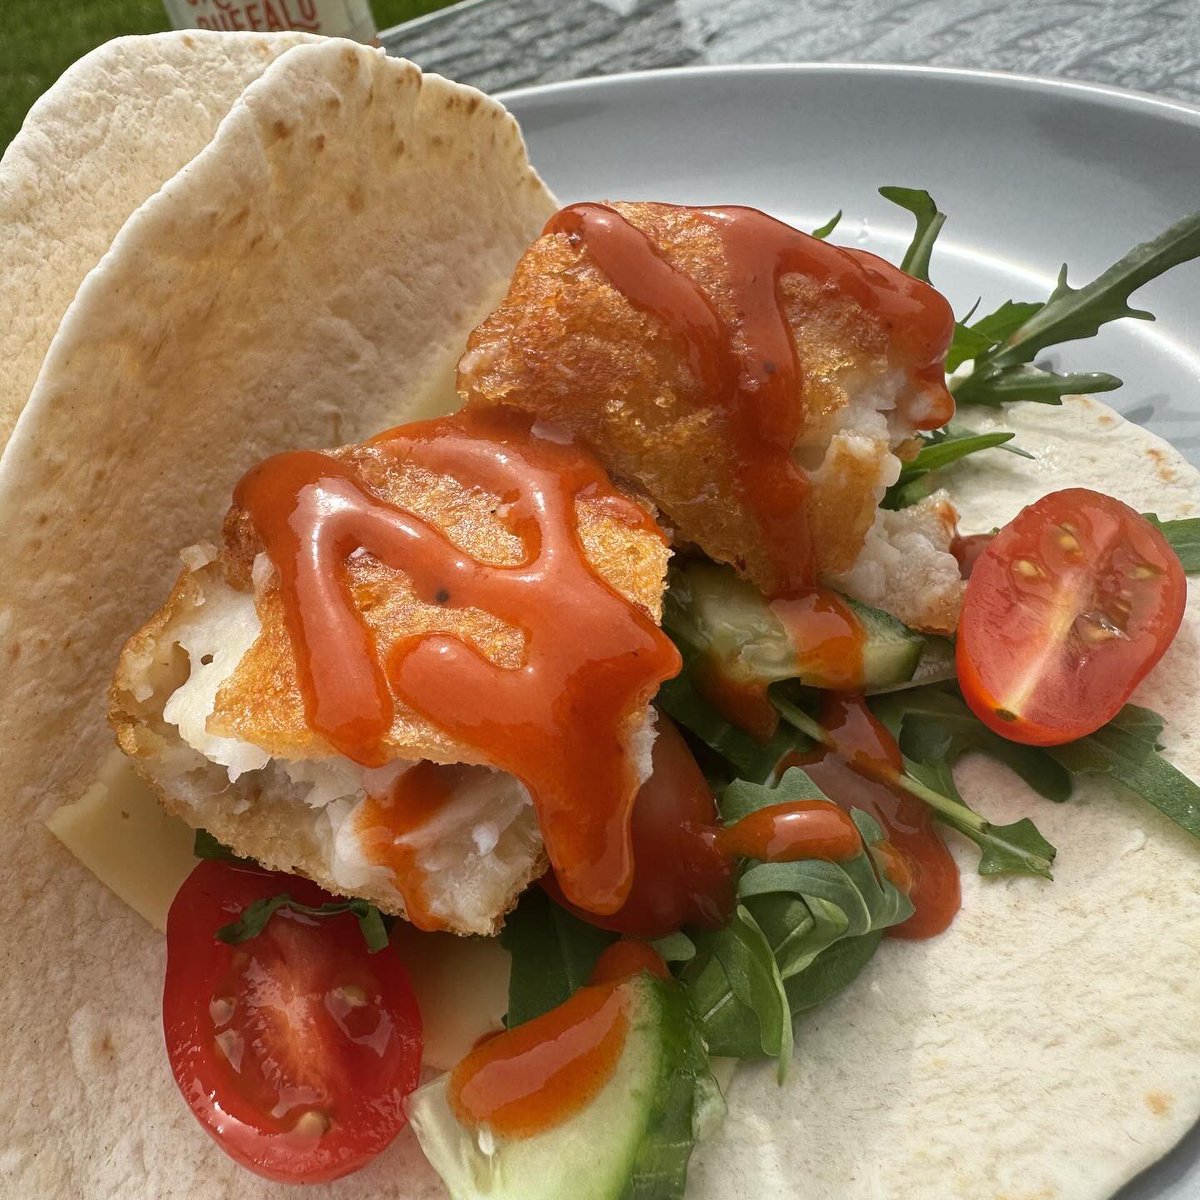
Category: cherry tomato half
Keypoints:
(1066, 610)
(295, 1049)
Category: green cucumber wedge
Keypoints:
(631, 1142)
(728, 621)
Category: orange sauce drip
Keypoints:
(826, 634)
(792, 832)
(742, 702)
(592, 659)
(856, 773)
(625, 958)
(751, 365)
(542, 1073)
(383, 823)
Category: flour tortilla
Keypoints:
(309, 278)
(114, 128)
(1047, 1047)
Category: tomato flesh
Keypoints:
(1066, 610)
(296, 1048)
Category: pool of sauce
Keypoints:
(686, 859)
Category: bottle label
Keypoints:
(333, 18)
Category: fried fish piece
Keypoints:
(570, 345)
(206, 701)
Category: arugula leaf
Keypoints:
(940, 450)
(742, 797)
(801, 909)
(832, 971)
(553, 954)
(1019, 332)
(823, 231)
(1025, 382)
(1017, 848)
(1184, 537)
(745, 958)
(972, 341)
(675, 948)
(1014, 849)
(1074, 313)
(934, 724)
(1126, 749)
(679, 699)
(255, 916)
(929, 224)
(204, 845)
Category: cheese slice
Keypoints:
(461, 985)
(119, 831)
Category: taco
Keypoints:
(416, 666)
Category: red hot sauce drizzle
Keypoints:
(540, 1074)
(751, 365)
(854, 772)
(558, 721)
(686, 859)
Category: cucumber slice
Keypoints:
(632, 1142)
(730, 622)
(890, 650)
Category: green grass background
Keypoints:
(39, 39)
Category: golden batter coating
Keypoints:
(568, 345)
(261, 701)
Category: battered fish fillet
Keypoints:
(207, 704)
(566, 344)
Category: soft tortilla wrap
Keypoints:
(1046, 1046)
(308, 279)
(114, 128)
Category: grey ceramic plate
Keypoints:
(1032, 172)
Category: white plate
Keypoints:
(1030, 171)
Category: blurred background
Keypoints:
(39, 39)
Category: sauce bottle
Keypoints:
(333, 18)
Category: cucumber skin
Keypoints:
(650, 1157)
(727, 618)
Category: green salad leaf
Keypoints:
(1127, 750)
(801, 910)
(204, 845)
(553, 954)
(1184, 537)
(1073, 313)
(929, 224)
(1014, 849)
(743, 956)
(371, 922)
(675, 948)
(1027, 382)
(750, 759)
(940, 449)
(1004, 344)
(823, 231)
(973, 341)
(934, 724)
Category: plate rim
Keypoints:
(1108, 95)
(1183, 1157)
